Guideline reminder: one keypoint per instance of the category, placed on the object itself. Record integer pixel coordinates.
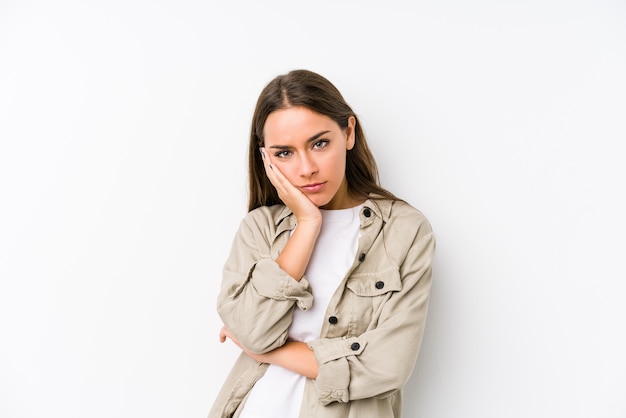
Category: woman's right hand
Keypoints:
(296, 255)
(292, 197)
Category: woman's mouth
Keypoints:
(312, 188)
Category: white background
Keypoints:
(123, 128)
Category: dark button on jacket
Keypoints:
(355, 346)
(379, 285)
(367, 212)
(333, 320)
(361, 256)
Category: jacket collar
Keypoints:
(379, 205)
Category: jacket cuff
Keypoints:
(333, 376)
(272, 282)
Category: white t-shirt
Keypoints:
(279, 392)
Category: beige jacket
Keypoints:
(375, 319)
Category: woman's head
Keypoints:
(306, 89)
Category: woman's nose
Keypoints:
(308, 166)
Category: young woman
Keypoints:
(326, 287)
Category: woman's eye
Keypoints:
(320, 144)
(282, 154)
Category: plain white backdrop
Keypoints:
(123, 129)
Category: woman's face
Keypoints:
(310, 150)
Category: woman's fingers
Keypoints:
(278, 179)
(223, 334)
(273, 173)
(226, 334)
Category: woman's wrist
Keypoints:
(296, 255)
(295, 356)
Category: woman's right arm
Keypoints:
(258, 293)
(257, 296)
(296, 255)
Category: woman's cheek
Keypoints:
(288, 173)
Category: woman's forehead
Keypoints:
(296, 123)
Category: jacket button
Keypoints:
(361, 256)
(333, 320)
(367, 212)
(355, 346)
(380, 285)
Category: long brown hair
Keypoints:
(308, 89)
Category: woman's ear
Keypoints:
(350, 133)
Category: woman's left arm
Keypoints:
(293, 355)
(379, 361)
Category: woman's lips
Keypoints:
(312, 188)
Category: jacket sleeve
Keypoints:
(257, 297)
(380, 361)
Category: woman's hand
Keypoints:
(296, 255)
(225, 333)
(294, 199)
(294, 355)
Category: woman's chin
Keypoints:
(320, 202)
(329, 204)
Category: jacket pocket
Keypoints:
(375, 284)
(368, 296)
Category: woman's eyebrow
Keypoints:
(314, 137)
(311, 139)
